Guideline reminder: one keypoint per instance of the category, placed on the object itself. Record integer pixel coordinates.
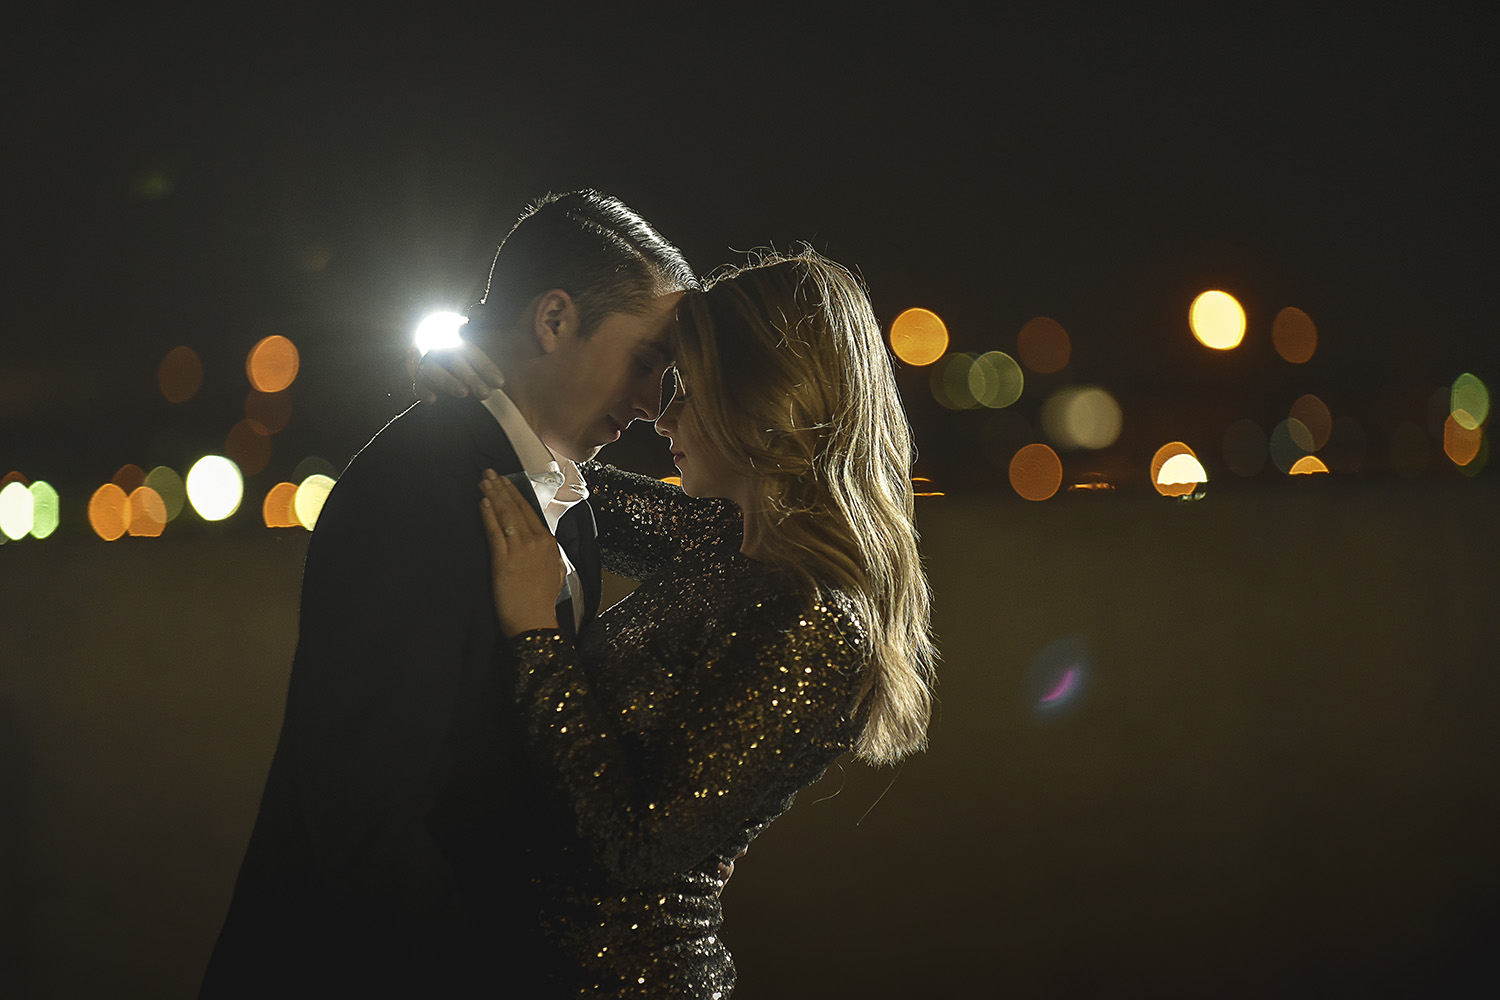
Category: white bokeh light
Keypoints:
(215, 487)
(16, 511)
(308, 503)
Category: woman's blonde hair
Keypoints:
(794, 385)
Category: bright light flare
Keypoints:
(17, 511)
(1176, 471)
(1217, 320)
(439, 331)
(215, 487)
(311, 495)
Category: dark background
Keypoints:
(1279, 777)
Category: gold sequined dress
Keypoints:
(682, 725)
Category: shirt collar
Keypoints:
(557, 482)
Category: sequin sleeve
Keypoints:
(767, 715)
(643, 521)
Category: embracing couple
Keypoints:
(486, 787)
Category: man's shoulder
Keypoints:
(432, 436)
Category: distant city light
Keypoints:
(1176, 471)
(1313, 414)
(1217, 320)
(1294, 335)
(1036, 472)
(311, 494)
(1308, 465)
(439, 331)
(1044, 346)
(995, 380)
(1469, 401)
(170, 487)
(1461, 444)
(17, 511)
(949, 379)
(1082, 417)
(272, 364)
(180, 374)
(148, 515)
(109, 512)
(215, 487)
(44, 509)
(278, 509)
(919, 337)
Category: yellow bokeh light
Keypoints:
(1044, 346)
(1175, 470)
(311, 494)
(44, 509)
(1469, 401)
(1036, 472)
(17, 511)
(919, 337)
(1217, 320)
(279, 510)
(215, 487)
(109, 512)
(1308, 465)
(272, 364)
(148, 515)
(995, 380)
(1294, 335)
(180, 374)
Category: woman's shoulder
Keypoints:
(611, 486)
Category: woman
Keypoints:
(781, 620)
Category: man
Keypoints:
(398, 824)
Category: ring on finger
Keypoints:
(508, 530)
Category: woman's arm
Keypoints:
(643, 521)
(771, 714)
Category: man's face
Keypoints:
(602, 382)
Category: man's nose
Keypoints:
(647, 405)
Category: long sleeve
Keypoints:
(761, 712)
(643, 521)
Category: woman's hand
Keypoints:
(452, 371)
(525, 565)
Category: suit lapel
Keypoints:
(578, 535)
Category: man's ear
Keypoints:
(554, 319)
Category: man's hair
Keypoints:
(592, 246)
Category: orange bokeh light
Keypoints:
(1044, 346)
(279, 510)
(272, 364)
(1461, 444)
(128, 477)
(1294, 335)
(248, 447)
(180, 374)
(1036, 472)
(1307, 465)
(148, 513)
(1163, 455)
(919, 337)
(109, 512)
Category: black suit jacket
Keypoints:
(398, 825)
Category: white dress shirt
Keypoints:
(557, 483)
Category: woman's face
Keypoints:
(704, 471)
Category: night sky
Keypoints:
(211, 178)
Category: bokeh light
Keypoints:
(215, 487)
(1294, 335)
(1044, 345)
(128, 476)
(45, 507)
(272, 364)
(1313, 414)
(1244, 448)
(950, 382)
(1057, 676)
(248, 447)
(1082, 417)
(314, 465)
(148, 515)
(1290, 440)
(279, 509)
(1217, 320)
(109, 512)
(1469, 401)
(1308, 465)
(919, 337)
(170, 487)
(439, 331)
(180, 374)
(17, 511)
(311, 494)
(1036, 472)
(995, 380)
(269, 411)
(1175, 470)
(1461, 444)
